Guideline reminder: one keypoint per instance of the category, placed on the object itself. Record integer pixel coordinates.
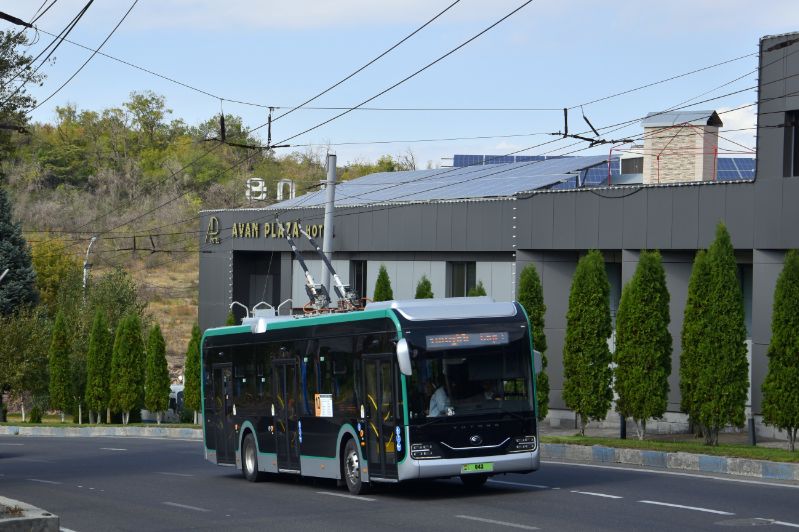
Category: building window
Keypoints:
(790, 159)
(462, 278)
(632, 165)
(358, 276)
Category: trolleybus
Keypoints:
(400, 390)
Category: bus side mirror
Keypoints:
(404, 357)
(537, 361)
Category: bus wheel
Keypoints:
(474, 481)
(352, 469)
(249, 459)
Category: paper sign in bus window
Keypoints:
(323, 403)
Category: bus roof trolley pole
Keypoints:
(317, 294)
(345, 293)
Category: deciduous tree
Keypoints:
(781, 387)
(643, 344)
(586, 356)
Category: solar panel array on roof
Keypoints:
(475, 182)
(460, 160)
(735, 168)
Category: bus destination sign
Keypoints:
(454, 341)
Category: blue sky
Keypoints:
(551, 54)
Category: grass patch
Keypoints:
(731, 450)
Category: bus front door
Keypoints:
(287, 428)
(223, 407)
(380, 416)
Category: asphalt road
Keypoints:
(141, 484)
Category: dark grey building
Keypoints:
(464, 225)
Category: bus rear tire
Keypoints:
(474, 481)
(249, 459)
(351, 469)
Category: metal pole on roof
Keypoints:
(327, 240)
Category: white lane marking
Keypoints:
(495, 522)
(356, 497)
(43, 481)
(597, 494)
(66, 530)
(775, 522)
(522, 484)
(174, 474)
(186, 506)
(675, 473)
(112, 449)
(683, 507)
(14, 444)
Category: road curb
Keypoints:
(100, 431)
(760, 469)
(33, 519)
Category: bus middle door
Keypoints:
(286, 415)
(223, 407)
(380, 415)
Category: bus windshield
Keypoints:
(467, 374)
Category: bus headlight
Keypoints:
(525, 444)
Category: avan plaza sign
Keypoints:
(213, 233)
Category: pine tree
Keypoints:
(586, 356)
(191, 373)
(98, 366)
(643, 344)
(156, 382)
(424, 289)
(58, 360)
(693, 337)
(383, 290)
(531, 297)
(781, 387)
(722, 380)
(18, 287)
(478, 290)
(127, 367)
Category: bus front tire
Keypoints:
(474, 481)
(249, 459)
(351, 469)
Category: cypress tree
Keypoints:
(643, 344)
(424, 289)
(781, 387)
(98, 366)
(383, 290)
(231, 318)
(18, 287)
(693, 337)
(156, 382)
(586, 356)
(478, 290)
(127, 367)
(531, 297)
(191, 373)
(60, 381)
(723, 378)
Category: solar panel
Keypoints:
(498, 159)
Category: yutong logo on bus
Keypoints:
(476, 439)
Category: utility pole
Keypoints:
(327, 241)
(87, 266)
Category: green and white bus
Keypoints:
(400, 390)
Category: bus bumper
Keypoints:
(506, 463)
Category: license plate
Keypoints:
(485, 467)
